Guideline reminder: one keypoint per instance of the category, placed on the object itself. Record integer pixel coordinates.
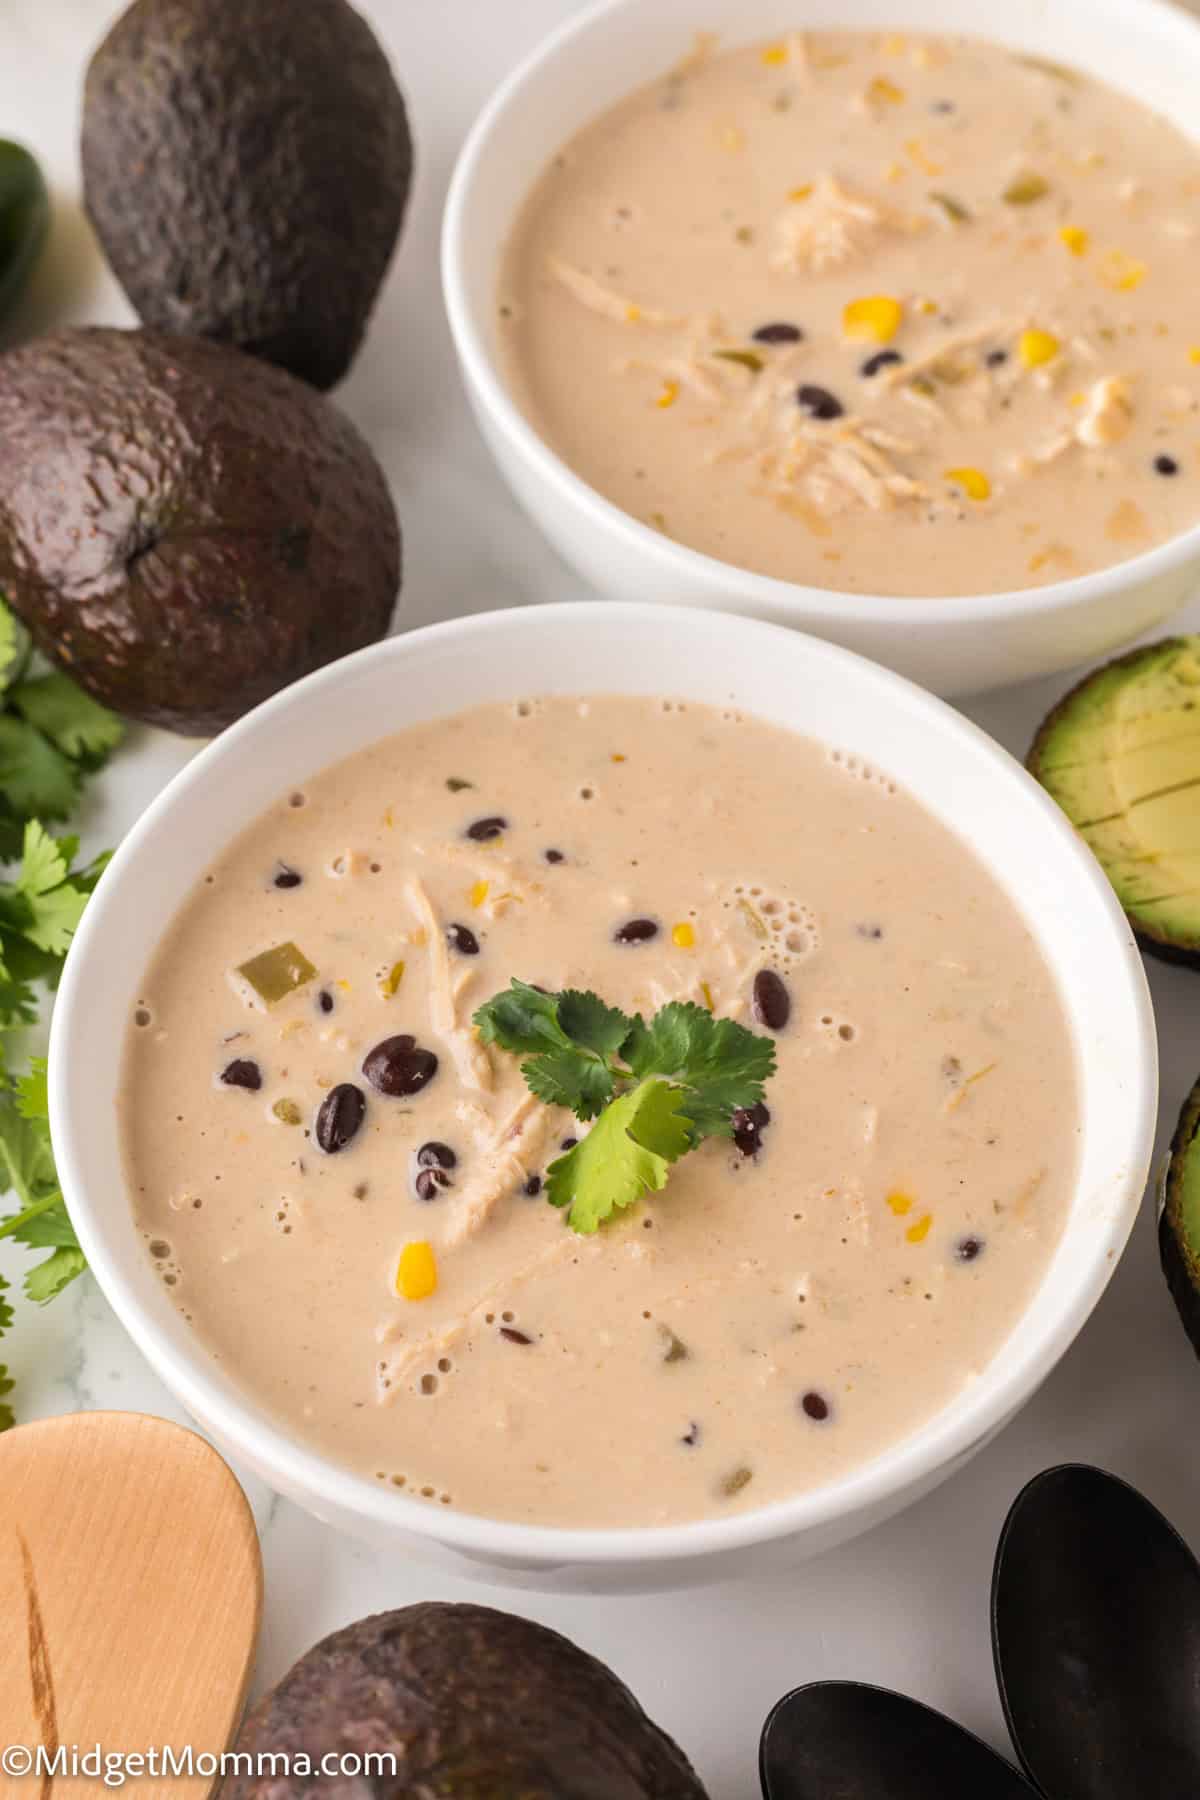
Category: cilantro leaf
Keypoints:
(721, 1064)
(33, 1091)
(47, 1279)
(15, 647)
(36, 780)
(523, 1019)
(76, 724)
(563, 1078)
(626, 1155)
(590, 1024)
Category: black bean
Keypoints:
(484, 830)
(513, 1336)
(554, 856)
(780, 332)
(996, 359)
(462, 939)
(749, 1123)
(1165, 465)
(818, 402)
(287, 878)
(430, 1183)
(325, 1000)
(968, 1248)
(456, 784)
(882, 359)
(243, 1073)
(339, 1116)
(692, 1435)
(436, 1155)
(635, 931)
(816, 1407)
(533, 1186)
(871, 932)
(770, 1001)
(568, 1143)
(399, 1066)
(941, 106)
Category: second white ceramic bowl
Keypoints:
(790, 679)
(1150, 49)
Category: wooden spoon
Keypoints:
(130, 1593)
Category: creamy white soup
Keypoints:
(344, 1189)
(885, 314)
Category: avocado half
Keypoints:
(473, 1704)
(184, 529)
(1179, 1217)
(246, 166)
(1121, 755)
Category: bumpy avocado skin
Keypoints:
(1175, 939)
(184, 529)
(1179, 1218)
(474, 1704)
(246, 166)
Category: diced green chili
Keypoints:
(276, 973)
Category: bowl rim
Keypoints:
(236, 1419)
(772, 593)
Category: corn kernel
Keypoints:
(618, 756)
(916, 1234)
(479, 893)
(900, 1202)
(632, 314)
(683, 935)
(774, 54)
(416, 1275)
(802, 192)
(1075, 238)
(1035, 347)
(876, 319)
(669, 394)
(1194, 354)
(882, 92)
(732, 137)
(342, 983)
(1122, 273)
(973, 482)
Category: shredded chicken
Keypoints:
(1108, 413)
(504, 1166)
(599, 299)
(471, 1059)
(835, 226)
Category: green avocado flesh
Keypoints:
(1179, 1219)
(1121, 755)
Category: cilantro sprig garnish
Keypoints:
(655, 1090)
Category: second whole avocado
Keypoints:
(183, 529)
(246, 166)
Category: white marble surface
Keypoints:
(907, 1605)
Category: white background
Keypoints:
(906, 1606)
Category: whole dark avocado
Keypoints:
(183, 529)
(472, 1704)
(246, 166)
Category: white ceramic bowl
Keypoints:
(952, 646)
(611, 647)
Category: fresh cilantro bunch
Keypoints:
(655, 1090)
(52, 735)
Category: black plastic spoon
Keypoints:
(1096, 1635)
(843, 1740)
